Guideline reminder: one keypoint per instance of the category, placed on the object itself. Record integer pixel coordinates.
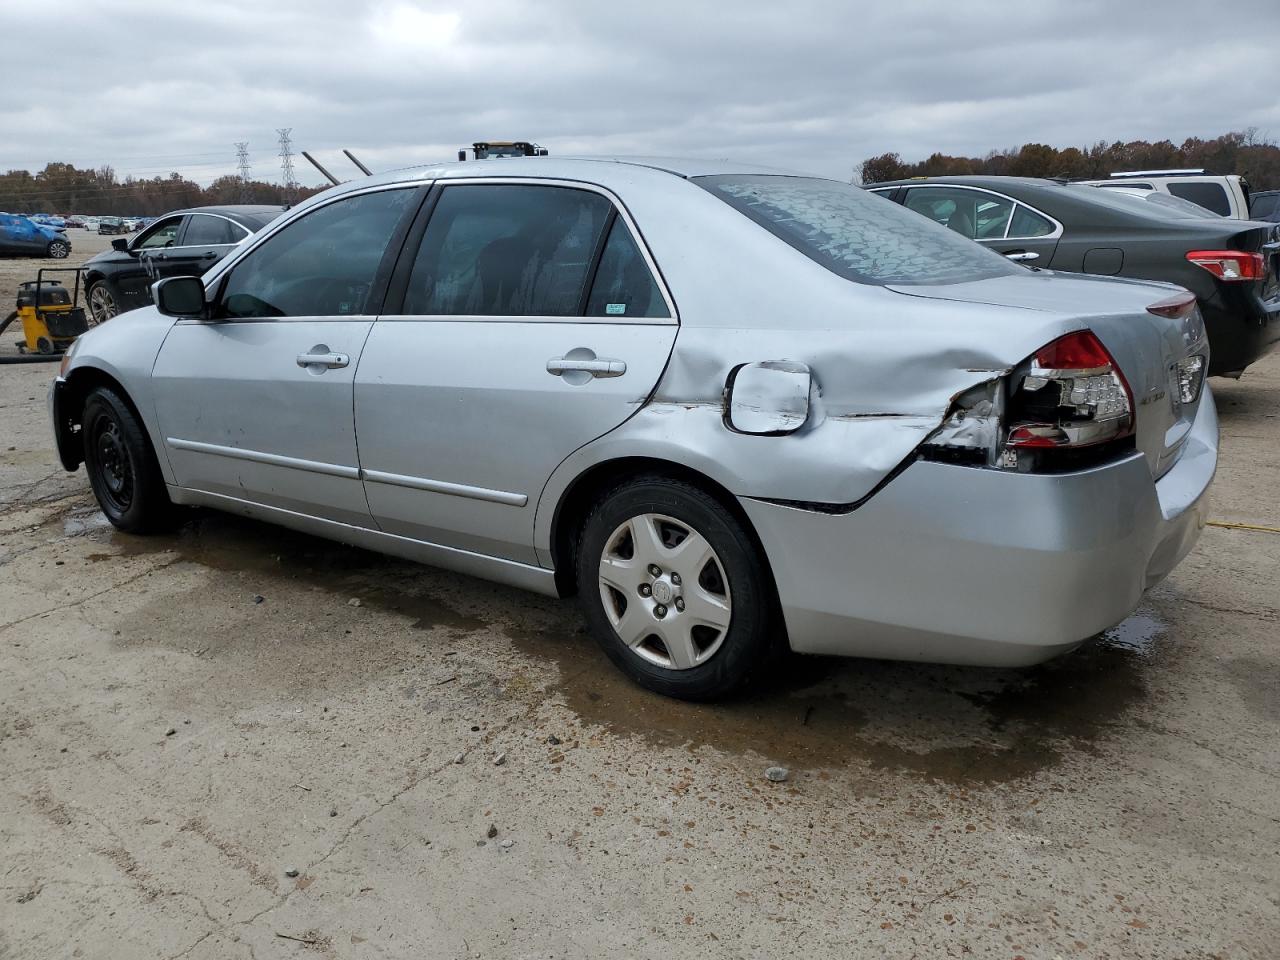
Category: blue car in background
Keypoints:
(22, 236)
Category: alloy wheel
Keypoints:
(102, 306)
(59, 250)
(665, 592)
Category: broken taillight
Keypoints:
(1070, 396)
(1073, 396)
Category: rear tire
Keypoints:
(121, 465)
(696, 624)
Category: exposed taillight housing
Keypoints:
(1232, 266)
(1068, 399)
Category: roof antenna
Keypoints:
(352, 157)
(315, 163)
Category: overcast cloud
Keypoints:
(151, 86)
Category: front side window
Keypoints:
(206, 231)
(163, 234)
(508, 250)
(323, 264)
(1211, 196)
(856, 235)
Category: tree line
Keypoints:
(1255, 158)
(61, 188)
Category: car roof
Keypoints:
(977, 180)
(234, 211)
(590, 169)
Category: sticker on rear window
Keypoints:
(615, 309)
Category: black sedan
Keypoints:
(185, 242)
(1230, 265)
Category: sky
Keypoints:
(150, 86)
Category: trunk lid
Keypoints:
(1145, 346)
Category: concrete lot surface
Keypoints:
(185, 718)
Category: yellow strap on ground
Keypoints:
(1241, 526)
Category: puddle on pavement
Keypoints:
(960, 725)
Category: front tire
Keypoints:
(121, 465)
(102, 303)
(58, 249)
(676, 591)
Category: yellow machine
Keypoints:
(50, 313)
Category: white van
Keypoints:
(1226, 195)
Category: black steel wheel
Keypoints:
(122, 466)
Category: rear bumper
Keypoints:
(954, 564)
(1242, 328)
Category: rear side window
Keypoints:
(323, 264)
(1211, 196)
(1027, 224)
(855, 235)
(206, 231)
(507, 250)
(623, 285)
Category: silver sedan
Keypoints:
(736, 411)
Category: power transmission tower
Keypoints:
(286, 162)
(242, 161)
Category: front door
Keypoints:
(256, 405)
(530, 324)
(134, 276)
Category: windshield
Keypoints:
(1151, 204)
(855, 234)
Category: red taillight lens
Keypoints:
(1073, 396)
(1233, 266)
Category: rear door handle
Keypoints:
(330, 360)
(597, 368)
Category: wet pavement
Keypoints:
(341, 712)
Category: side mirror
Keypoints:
(121, 244)
(770, 398)
(181, 297)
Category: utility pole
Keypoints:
(242, 161)
(286, 163)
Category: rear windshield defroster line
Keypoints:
(855, 234)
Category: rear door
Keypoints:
(256, 405)
(527, 321)
(1006, 225)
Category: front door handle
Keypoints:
(1022, 256)
(330, 360)
(597, 367)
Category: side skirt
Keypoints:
(535, 579)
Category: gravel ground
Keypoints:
(185, 720)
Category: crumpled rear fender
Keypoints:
(878, 394)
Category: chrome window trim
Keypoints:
(205, 246)
(636, 236)
(503, 318)
(1057, 227)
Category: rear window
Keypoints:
(856, 235)
(1264, 205)
(1211, 196)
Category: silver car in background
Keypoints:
(734, 410)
